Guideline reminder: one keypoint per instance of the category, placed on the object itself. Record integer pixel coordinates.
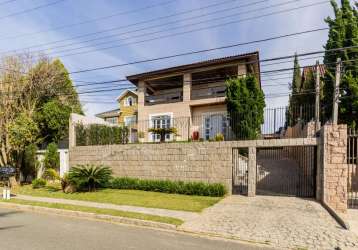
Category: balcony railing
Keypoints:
(165, 97)
(203, 91)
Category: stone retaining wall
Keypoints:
(208, 161)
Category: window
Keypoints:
(160, 121)
(112, 120)
(214, 124)
(130, 120)
(129, 101)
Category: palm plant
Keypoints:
(89, 177)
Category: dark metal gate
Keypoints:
(289, 171)
(352, 160)
(239, 170)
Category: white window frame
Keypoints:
(127, 103)
(150, 135)
(134, 117)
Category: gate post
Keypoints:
(251, 185)
(332, 185)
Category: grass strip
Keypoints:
(138, 198)
(112, 212)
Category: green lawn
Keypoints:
(127, 197)
(112, 212)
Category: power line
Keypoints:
(189, 31)
(144, 28)
(336, 50)
(32, 9)
(198, 51)
(6, 2)
(123, 26)
(91, 20)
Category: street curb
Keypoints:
(262, 244)
(88, 215)
(340, 220)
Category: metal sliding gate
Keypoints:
(289, 171)
(352, 163)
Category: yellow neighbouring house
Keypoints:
(126, 114)
(128, 103)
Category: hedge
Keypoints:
(96, 134)
(166, 186)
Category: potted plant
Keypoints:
(141, 136)
(162, 132)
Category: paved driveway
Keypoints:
(285, 222)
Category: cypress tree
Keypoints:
(294, 102)
(245, 104)
(343, 32)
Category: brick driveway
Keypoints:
(284, 222)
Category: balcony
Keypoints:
(169, 96)
(211, 90)
(211, 83)
(164, 90)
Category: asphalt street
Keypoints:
(34, 231)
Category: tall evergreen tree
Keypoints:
(343, 32)
(245, 105)
(294, 102)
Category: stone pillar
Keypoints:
(251, 186)
(71, 132)
(187, 87)
(333, 172)
(141, 99)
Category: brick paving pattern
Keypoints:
(284, 222)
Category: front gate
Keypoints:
(240, 170)
(352, 163)
(289, 171)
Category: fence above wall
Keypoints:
(282, 122)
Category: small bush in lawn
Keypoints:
(39, 183)
(51, 175)
(166, 186)
(89, 177)
(52, 157)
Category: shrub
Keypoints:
(51, 175)
(30, 162)
(96, 134)
(39, 183)
(166, 186)
(66, 185)
(89, 177)
(219, 137)
(52, 157)
(162, 132)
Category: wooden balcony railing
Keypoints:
(208, 91)
(164, 97)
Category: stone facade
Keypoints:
(332, 170)
(208, 162)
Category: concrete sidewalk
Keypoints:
(182, 215)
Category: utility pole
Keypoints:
(317, 96)
(336, 92)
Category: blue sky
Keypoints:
(14, 36)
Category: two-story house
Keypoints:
(189, 97)
(128, 103)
